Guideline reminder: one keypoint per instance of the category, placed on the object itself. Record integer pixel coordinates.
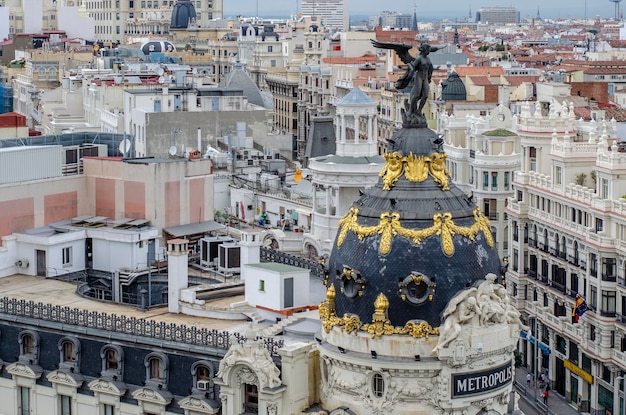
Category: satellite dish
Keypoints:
(161, 79)
(297, 176)
(124, 147)
(172, 151)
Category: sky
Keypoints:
(428, 9)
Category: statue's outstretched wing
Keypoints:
(402, 49)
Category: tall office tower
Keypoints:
(334, 14)
(497, 15)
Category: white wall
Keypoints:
(111, 255)
(4, 23)
(53, 246)
(272, 297)
(74, 25)
(33, 16)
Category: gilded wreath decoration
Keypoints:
(389, 226)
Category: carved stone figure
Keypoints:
(234, 352)
(420, 70)
(266, 365)
(461, 310)
(479, 306)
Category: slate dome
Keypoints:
(181, 14)
(453, 88)
(414, 237)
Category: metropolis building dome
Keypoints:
(415, 321)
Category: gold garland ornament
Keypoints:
(380, 326)
(415, 168)
(390, 226)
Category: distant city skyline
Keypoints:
(454, 9)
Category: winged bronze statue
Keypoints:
(419, 69)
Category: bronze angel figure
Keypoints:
(420, 68)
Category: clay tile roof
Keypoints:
(480, 80)
(604, 71)
(479, 70)
(357, 60)
(517, 80)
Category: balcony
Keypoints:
(532, 274)
(605, 313)
(558, 286)
(543, 279)
(561, 254)
(532, 243)
(621, 282)
(609, 278)
(572, 293)
(541, 246)
(621, 318)
(572, 260)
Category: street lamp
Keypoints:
(616, 382)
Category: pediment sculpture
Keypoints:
(254, 356)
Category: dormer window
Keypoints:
(69, 351)
(29, 347)
(112, 362)
(156, 370)
(202, 373)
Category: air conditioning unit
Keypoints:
(203, 385)
(21, 263)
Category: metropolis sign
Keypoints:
(478, 382)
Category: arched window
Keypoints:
(112, 357)
(42, 73)
(157, 365)
(378, 385)
(29, 347)
(557, 242)
(69, 353)
(202, 374)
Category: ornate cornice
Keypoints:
(390, 226)
(380, 326)
(195, 404)
(416, 169)
(27, 371)
(104, 386)
(60, 377)
(150, 395)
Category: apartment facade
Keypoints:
(483, 153)
(567, 227)
(333, 14)
(144, 17)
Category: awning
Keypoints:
(545, 349)
(193, 228)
